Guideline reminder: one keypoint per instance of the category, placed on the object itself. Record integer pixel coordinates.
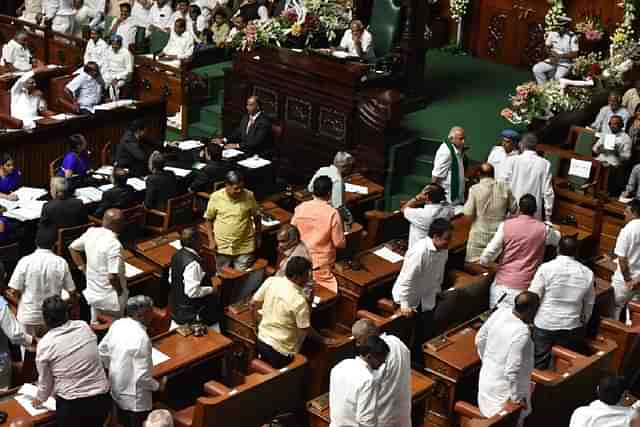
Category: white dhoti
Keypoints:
(544, 71)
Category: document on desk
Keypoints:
(269, 223)
(25, 396)
(158, 357)
(580, 168)
(178, 171)
(105, 187)
(9, 204)
(63, 116)
(115, 104)
(28, 211)
(353, 188)
(138, 184)
(105, 170)
(624, 200)
(388, 255)
(29, 193)
(176, 244)
(230, 153)
(131, 271)
(92, 194)
(189, 145)
(254, 162)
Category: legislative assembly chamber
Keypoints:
(319, 213)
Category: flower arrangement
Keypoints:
(614, 68)
(552, 18)
(257, 34)
(591, 28)
(587, 67)
(458, 9)
(623, 35)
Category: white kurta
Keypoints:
(96, 52)
(420, 219)
(81, 18)
(16, 55)
(506, 349)
(117, 65)
(141, 15)
(31, 9)
(528, 173)
(60, 12)
(352, 395)
(161, 16)
(127, 30)
(497, 158)
(179, 45)
(25, 106)
(366, 44)
(442, 169)
(394, 385)
(599, 414)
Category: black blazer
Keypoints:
(258, 140)
(117, 197)
(212, 172)
(160, 188)
(130, 153)
(63, 214)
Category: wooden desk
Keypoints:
(159, 250)
(41, 75)
(352, 200)
(612, 222)
(14, 410)
(604, 267)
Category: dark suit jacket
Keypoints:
(130, 153)
(117, 197)
(258, 140)
(212, 172)
(160, 188)
(63, 214)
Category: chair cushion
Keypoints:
(384, 25)
(184, 418)
(214, 388)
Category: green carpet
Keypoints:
(468, 92)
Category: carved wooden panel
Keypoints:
(332, 123)
(534, 51)
(298, 111)
(495, 34)
(268, 99)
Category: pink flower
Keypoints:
(507, 113)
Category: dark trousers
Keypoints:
(269, 355)
(543, 340)
(83, 412)
(423, 332)
(131, 418)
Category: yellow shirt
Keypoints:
(233, 224)
(285, 311)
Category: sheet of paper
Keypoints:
(610, 142)
(63, 116)
(176, 244)
(158, 357)
(199, 165)
(28, 211)
(178, 171)
(93, 194)
(189, 145)
(231, 152)
(266, 223)
(353, 188)
(388, 255)
(105, 170)
(580, 168)
(624, 200)
(137, 183)
(254, 162)
(9, 204)
(131, 271)
(27, 393)
(105, 187)
(29, 193)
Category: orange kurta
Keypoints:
(321, 231)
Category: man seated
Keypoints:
(286, 315)
(253, 11)
(161, 185)
(182, 11)
(253, 136)
(289, 246)
(160, 16)
(608, 410)
(118, 67)
(86, 89)
(130, 153)
(141, 12)
(631, 98)
(62, 211)
(506, 148)
(567, 296)
(342, 166)
(220, 30)
(563, 48)
(15, 55)
(357, 41)
(125, 27)
(214, 171)
(121, 196)
(180, 46)
(82, 17)
(96, 48)
(613, 150)
(613, 108)
(159, 418)
(30, 11)
(27, 101)
(58, 15)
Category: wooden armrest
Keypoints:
(564, 353)
(214, 388)
(67, 105)
(155, 212)
(364, 314)
(386, 305)
(467, 409)
(634, 306)
(257, 365)
(475, 269)
(541, 376)
(10, 122)
(377, 214)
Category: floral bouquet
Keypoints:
(458, 8)
(257, 34)
(527, 104)
(591, 28)
(587, 67)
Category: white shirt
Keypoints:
(17, 55)
(127, 30)
(52, 8)
(10, 326)
(117, 65)
(394, 385)
(506, 349)
(180, 45)
(104, 257)
(96, 6)
(601, 123)
(497, 158)
(81, 18)
(126, 352)
(494, 248)
(420, 219)
(177, 15)
(352, 395)
(421, 276)
(192, 278)
(39, 276)
(621, 152)
(86, 89)
(31, 9)
(599, 414)
(337, 190)
(95, 52)
(628, 246)
(366, 43)
(25, 106)
(442, 170)
(562, 44)
(161, 16)
(528, 173)
(141, 16)
(566, 292)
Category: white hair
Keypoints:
(159, 418)
(343, 158)
(452, 132)
(58, 186)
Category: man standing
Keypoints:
(62, 211)
(118, 67)
(508, 147)
(393, 378)
(106, 290)
(528, 173)
(160, 16)
(420, 280)
(563, 49)
(289, 245)
(613, 150)
(192, 296)
(37, 277)
(626, 279)
(341, 168)
(130, 152)
(448, 166)
(10, 330)
(126, 353)
(613, 108)
(233, 224)
(567, 296)
(353, 389)
(321, 231)
(125, 26)
(357, 41)
(15, 55)
(59, 15)
(608, 410)
(506, 350)
(86, 89)
(286, 315)
(180, 45)
(520, 241)
(487, 206)
(420, 218)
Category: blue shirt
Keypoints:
(11, 182)
(5, 236)
(77, 163)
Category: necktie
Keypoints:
(251, 121)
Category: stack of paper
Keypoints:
(28, 211)
(137, 183)
(131, 271)
(178, 171)
(27, 394)
(105, 187)
(353, 188)
(176, 244)
(254, 162)
(9, 204)
(115, 104)
(199, 165)
(92, 194)
(624, 200)
(388, 255)
(105, 170)
(230, 153)
(158, 357)
(63, 116)
(189, 145)
(30, 193)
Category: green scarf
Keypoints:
(455, 172)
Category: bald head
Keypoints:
(21, 422)
(486, 170)
(113, 220)
(363, 329)
(189, 238)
